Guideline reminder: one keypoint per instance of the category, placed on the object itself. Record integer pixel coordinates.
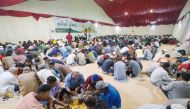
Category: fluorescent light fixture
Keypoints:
(153, 22)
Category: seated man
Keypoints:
(174, 67)
(55, 51)
(90, 102)
(70, 60)
(8, 61)
(46, 59)
(101, 59)
(36, 100)
(159, 55)
(28, 81)
(37, 61)
(183, 58)
(184, 67)
(151, 68)
(2, 51)
(188, 61)
(147, 52)
(20, 58)
(74, 82)
(62, 69)
(108, 64)
(63, 51)
(107, 48)
(28, 63)
(133, 67)
(110, 94)
(119, 69)
(90, 56)
(178, 89)
(56, 73)
(160, 75)
(91, 82)
(55, 91)
(164, 59)
(9, 82)
(81, 58)
(124, 50)
(43, 74)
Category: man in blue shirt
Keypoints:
(74, 82)
(110, 93)
(108, 65)
(55, 51)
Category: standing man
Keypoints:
(69, 38)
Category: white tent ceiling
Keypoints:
(82, 9)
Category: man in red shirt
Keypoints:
(69, 38)
(91, 82)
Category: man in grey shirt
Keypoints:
(133, 67)
(178, 89)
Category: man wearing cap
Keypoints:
(112, 96)
(178, 89)
(91, 82)
(74, 82)
(160, 75)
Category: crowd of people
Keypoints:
(37, 69)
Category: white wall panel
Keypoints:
(16, 29)
(182, 28)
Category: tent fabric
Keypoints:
(142, 12)
(4, 3)
(38, 15)
(84, 10)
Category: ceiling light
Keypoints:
(153, 22)
(96, 24)
(151, 11)
(111, 0)
(117, 28)
(126, 13)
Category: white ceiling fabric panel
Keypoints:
(82, 9)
